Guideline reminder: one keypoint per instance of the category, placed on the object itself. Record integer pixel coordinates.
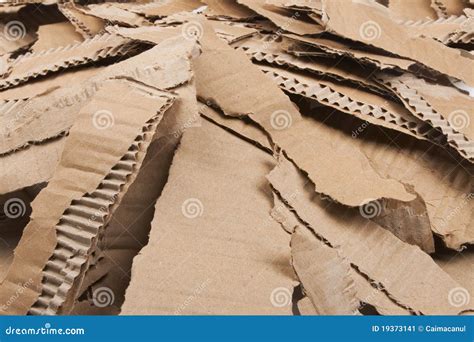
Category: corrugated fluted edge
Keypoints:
(280, 60)
(95, 55)
(65, 9)
(423, 110)
(81, 226)
(330, 97)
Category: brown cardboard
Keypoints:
(41, 63)
(324, 273)
(277, 115)
(239, 264)
(365, 291)
(228, 9)
(425, 286)
(359, 20)
(111, 13)
(417, 10)
(285, 19)
(88, 26)
(49, 206)
(49, 39)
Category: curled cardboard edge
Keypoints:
(324, 273)
(73, 14)
(367, 292)
(324, 94)
(291, 22)
(422, 287)
(268, 51)
(114, 14)
(363, 15)
(43, 63)
(76, 237)
(217, 86)
(423, 110)
(45, 248)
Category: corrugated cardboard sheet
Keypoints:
(279, 157)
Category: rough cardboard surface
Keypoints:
(266, 157)
(428, 286)
(188, 230)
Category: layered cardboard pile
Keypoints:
(275, 157)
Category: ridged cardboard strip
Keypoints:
(446, 30)
(74, 15)
(365, 111)
(81, 226)
(80, 172)
(422, 109)
(32, 65)
(267, 52)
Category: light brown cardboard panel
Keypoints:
(211, 249)
(292, 21)
(228, 8)
(455, 126)
(33, 65)
(239, 126)
(113, 14)
(79, 172)
(163, 8)
(87, 25)
(460, 266)
(56, 35)
(372, 25)
(233, 91)
(419, 285)
(31, 165)
(415, 10)
(324, 273)
(49, 84)
(439, 176)
(365, 291)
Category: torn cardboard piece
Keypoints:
(371, 24)
(50, 206)
(421, 286)
(233, 91)
(324, 273)
(230, 256)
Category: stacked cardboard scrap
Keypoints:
(289, 157)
